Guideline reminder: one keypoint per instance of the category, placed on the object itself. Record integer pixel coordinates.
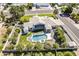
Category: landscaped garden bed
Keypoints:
(12, 41)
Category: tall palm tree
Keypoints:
(2, 16)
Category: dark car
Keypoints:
(65, 15)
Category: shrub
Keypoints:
(49, 54)
(55, 45)
(17, 30)
(38, 46)
(68, 53)
(47, 46)
(60, 54)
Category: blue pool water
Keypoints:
(39, 37)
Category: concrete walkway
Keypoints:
(18, 38)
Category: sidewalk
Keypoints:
(77, 52)
(76, 25)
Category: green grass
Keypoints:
(25, 18)
(50, 15)
(23, 41)
(24, 37)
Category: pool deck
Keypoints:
(49, 36)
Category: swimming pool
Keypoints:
(39, 38)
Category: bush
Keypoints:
(17, 30)
(67, 9)
(60, 35)
(38, 46)
(64, 45)
(68, 53)
(75, 17)
(1, 46)
(60, 54)
(55, 45)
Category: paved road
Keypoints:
(38, 12)
(70, 25)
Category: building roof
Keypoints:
(41, 4)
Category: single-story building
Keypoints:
(42, 5)
(36, 24)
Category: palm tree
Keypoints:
(2, 16)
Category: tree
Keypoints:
(68, 53)
(7, 5)
(73, 15)
(38, 46)
(17, 12)
(29, 6)
(2, 16)
(60, 38)
(55, 11)
(60, 54)
(76, 18)
(64, 45)
(55, 45)
(73, 4)
(53, 4)
(68, 10)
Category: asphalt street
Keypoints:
(70, 25)
(38, 12)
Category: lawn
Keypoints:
(49, 15)
(23, 42)
(24, 37)
(27, 18)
